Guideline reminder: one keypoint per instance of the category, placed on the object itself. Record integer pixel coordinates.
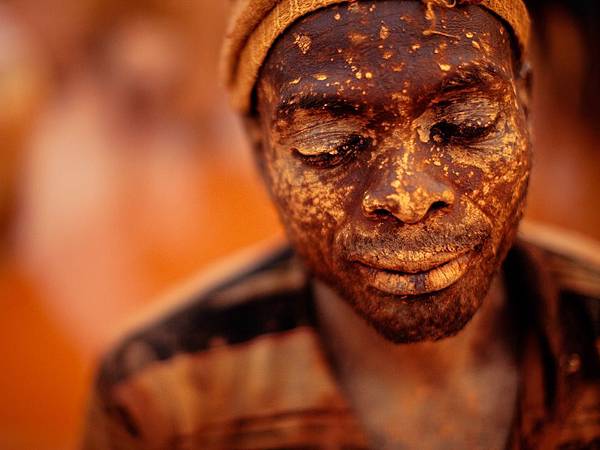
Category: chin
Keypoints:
(428, 317)
(419, 318)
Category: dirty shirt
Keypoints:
(243, 366)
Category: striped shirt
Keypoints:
(242, 366)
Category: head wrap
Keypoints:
(256, 24)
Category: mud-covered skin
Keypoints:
(388, 150)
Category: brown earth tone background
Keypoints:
(123, 173)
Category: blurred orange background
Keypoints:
(122, 173)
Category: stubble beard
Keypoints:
(413, 319)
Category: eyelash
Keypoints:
(343, 152)
(444, 132)
(448, 132)
(473, 128)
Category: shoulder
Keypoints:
(572, 259)
(563, 269)
(567, 267)
(238, 359)
(258, 293)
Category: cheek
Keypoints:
(312, 201)
(494, 178)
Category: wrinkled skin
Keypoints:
(398, 161)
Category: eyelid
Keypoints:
(458, 112)
(321, 143)
(318, 129)
(343, 152)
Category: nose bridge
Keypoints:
(403, 158)
(403, 188)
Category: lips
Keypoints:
(415, 276)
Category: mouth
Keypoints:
(418, 277)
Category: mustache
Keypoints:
(408, 243)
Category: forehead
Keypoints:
(374, 49)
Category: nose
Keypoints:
(408, 195)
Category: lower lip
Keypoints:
(413, 284)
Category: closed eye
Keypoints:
(463, 122)
(472, 129)
(334, 155)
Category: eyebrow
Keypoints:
(334, 104)
(472, 77)
(462, 79)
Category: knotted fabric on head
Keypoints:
(256, 24)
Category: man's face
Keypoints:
(398, 158)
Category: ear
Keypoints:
(525, 87)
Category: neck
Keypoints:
(469, 378)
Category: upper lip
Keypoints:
(410, 262)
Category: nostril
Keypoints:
(382, 213)
(436, 206)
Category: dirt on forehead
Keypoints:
(366, 38)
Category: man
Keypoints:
(393, 138)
